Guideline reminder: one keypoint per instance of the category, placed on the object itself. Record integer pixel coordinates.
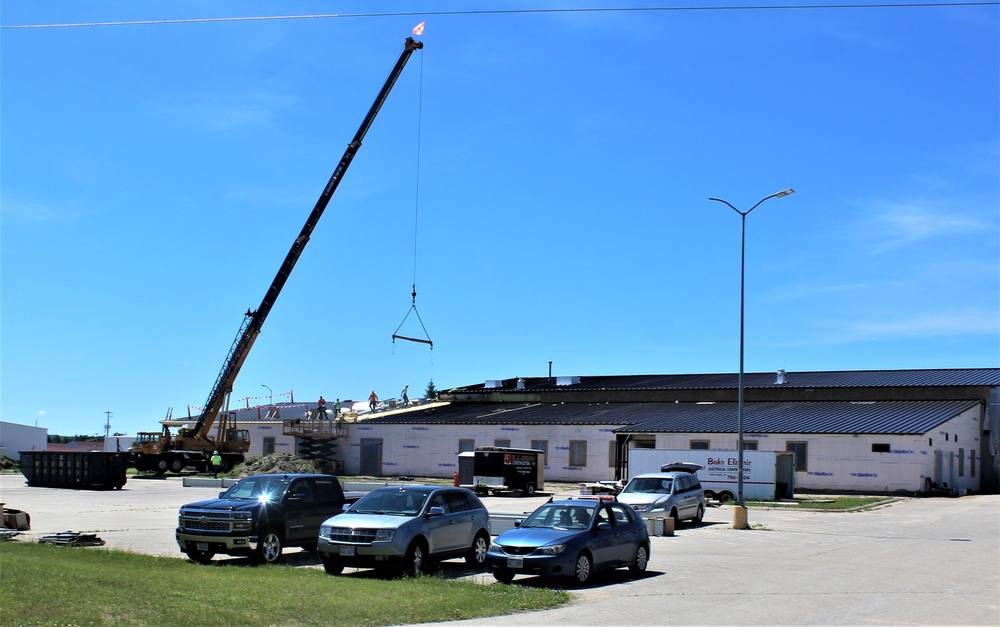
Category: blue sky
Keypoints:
(544, 177)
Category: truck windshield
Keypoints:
(396, 502)
(258, 489)
(649, 485)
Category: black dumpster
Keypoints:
(74, 470)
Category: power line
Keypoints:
(260, 18)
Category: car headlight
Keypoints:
(552, 549)
(494, 547)
(384, 535)
(325, 530)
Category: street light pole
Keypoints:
(739, 398)
(270, 394)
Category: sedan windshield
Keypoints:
(397, 502)
(649, 485)
(560, 517)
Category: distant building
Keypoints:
(15, 438)
(865, 431)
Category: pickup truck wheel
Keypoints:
(269, 547)
(415, 563)
(202, 557)
(332, 566)
(477, 554)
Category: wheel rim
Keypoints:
(582, 568)
(417, 560)
(272, 547)
(480, 549)
(641, 558)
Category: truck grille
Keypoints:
(206, 520)
(347, 534)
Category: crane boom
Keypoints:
(254, 320)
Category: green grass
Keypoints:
(824, 502)
(44, 584)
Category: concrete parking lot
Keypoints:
(916, 562)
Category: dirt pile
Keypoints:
(277, 463)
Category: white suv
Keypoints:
(676, 493)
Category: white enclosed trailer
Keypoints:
(767, 475)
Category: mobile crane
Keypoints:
(194, 446)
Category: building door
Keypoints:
(371, 457)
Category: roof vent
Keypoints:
(520, 383)
(567, 380)
(781, 377)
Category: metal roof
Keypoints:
(947, 377)
(888, 417)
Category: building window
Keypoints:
(972, 463)
(502, 443)
(699, 445)
(961, 462)
(541, 445)
(749, 445)
(801, 452)
(268, 446)
(881, 448)
(612, 447)
(578, 453)
(930, 441)
(464, 446)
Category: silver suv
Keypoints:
(676, 492)
(406, 526)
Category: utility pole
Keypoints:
(107, 425)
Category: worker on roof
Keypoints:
(336, 409)
(406, 399)
(372, 400)
(321, 408)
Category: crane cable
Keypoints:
(416, 215)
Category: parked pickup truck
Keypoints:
(259, 516)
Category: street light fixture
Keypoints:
(743, 239)
(270, 394)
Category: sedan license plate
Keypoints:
(515, 562)
(201, 546)
(347, 551)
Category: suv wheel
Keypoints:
(477, 554)
(415, 563)
(269, 548)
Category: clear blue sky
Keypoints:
(544, 176)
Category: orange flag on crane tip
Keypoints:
(419, 28)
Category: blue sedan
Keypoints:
(573, 538)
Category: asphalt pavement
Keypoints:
(933, 561)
